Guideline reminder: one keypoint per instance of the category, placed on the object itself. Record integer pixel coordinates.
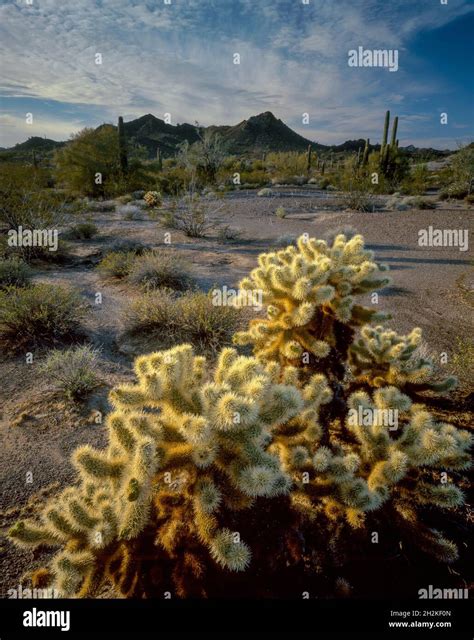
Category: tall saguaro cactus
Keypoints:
(122, 143)
(308, 159)
(393, 142)
(385, 133)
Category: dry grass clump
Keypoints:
(168, 320)
(154, 270)
(41, 314)
(73, 371)
(14, 273)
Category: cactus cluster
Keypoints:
(310, 291)
(376, 461)
(184, 444)
(152, 198)
(194, 447)
(382, 357)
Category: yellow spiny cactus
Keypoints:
(381, 357)
(184, 442)
(392, 442)
(309, 290)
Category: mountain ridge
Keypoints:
(258, 134)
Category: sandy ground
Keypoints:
(432, 288)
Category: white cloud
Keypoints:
(178, 58)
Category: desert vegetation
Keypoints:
(199, 448)
(301, 436)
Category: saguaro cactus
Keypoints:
(308, 159)
(122, 143)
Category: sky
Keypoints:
(177, 57)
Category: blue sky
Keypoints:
(178, 58)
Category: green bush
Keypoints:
(167, 320)
(418, 180)
(173, 181)
(37, 315)
(116, 264)
(154, 270)
(72, 371)
(96, 151)
(14, 273)
(82, 231)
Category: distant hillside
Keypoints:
(36, 143)
(262, 133)
(258, 134)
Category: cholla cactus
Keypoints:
(388, 461)
(310, 292)
(381, 357)
(153, 198)
(183, 445)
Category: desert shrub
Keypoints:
(285, 241)
(265, 193)
(160, 269)
(287, 163)
(29, 207)
(14, 273)
(89, 152)
(101, 206)
(82, 231)
(169, 320)
(463, 357)
(204, 157)
(257, 177)
(194, 216)
(130, 212)
(127, 245)
(153, 199)
(126, 198)
(455, 190)
(458, 177)
(280, 212)
(470, 198)
(417, 182)
(117, 264)
(358, 198)
(40, 314)
(173, 181)
(72, 371)
(227, 233)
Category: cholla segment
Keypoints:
(382, 357)
(307, 289)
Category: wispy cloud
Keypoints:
(178, 58)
